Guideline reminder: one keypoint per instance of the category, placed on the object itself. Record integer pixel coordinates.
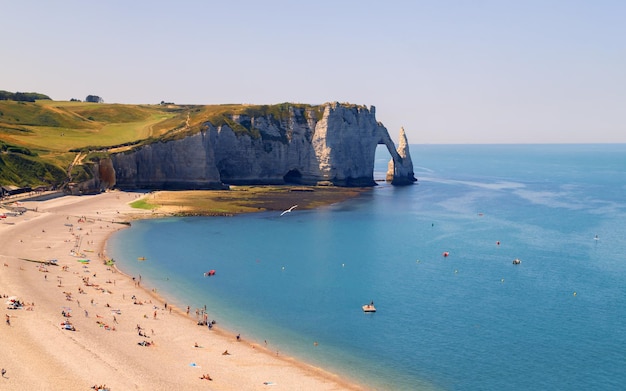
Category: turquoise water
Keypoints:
(469, 321)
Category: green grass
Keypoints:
(62, 127)
(23, 170)
(143, 204)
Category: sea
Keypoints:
(471, 320)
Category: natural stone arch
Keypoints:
(335, 146)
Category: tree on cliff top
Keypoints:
(94, 99)
(22, 96)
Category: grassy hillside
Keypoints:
(45, 136)
(40, 140)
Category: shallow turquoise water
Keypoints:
(471, 321)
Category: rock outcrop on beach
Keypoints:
(332, 144)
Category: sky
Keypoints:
(449, 72)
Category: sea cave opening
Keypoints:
(293, 177)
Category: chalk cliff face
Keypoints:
(187, 163)
(333, 144)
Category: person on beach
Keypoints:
(4, 371)
(8, 319)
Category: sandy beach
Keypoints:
(112, 313)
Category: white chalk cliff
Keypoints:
(329, 144)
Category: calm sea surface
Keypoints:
(469, 321)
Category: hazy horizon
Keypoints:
(449, 72)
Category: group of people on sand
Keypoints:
(67, 325)
(206, 377)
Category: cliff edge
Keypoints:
(331, 144)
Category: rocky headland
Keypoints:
(330, 144)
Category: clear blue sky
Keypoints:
(448, 71)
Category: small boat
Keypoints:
(369, 307)
(209, 273)
(516, 261)
(141, 258)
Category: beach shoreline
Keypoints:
(113, 313)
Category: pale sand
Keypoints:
(38, 354)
